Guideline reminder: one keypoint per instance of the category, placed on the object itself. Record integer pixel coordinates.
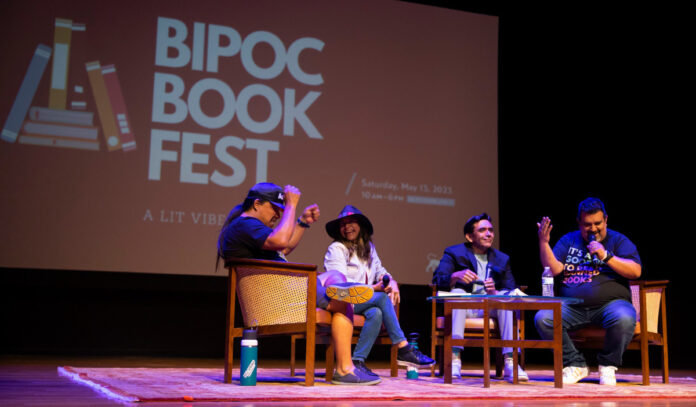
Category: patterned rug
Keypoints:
(206, 384)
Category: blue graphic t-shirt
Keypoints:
(581, 278)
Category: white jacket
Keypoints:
(355, 269)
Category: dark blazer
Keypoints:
(461, 257)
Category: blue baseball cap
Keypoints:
(270, 192)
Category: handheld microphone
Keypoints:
(385, 280)
(591, 237)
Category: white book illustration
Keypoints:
(45, 114)
(48, 141)
(60, 130)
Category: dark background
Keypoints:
(589, 106)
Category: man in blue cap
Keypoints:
(264, 227)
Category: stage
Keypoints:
(69, 381)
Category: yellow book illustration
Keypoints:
(58, 94)
(104, 110)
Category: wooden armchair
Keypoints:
(649, 299)
(473, 329)
(257, 284)
(358, 323)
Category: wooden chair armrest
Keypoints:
(650, 283)
(272, 264)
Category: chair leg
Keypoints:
(499, 361)
(310, 349)
(293, 340)
(645, 360)
(433, 347)
(392, 361)
(329, 363)
(665, 363)
(522, 359)
(229, 360)
(441, 361)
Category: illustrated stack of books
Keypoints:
(58, 126)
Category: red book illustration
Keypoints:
(118, 106)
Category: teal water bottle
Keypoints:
(247, 369)
(412, 372)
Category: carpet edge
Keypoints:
(82, 378)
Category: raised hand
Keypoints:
(544, 231)
(310, 214)
(292, 195)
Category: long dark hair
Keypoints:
(362, 246)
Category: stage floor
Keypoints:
(34, 381)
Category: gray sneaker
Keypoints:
(353, 293)
(356, 378)
(359, 364)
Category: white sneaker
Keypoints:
(507, 372)
(607, 376)
(573, 374)
(456, 366)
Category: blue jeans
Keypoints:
(376, 311)
(617, 317)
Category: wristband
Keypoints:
(302, 224)
(608, 256)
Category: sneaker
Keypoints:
(607, 375)
(350, 292)
(359, 364)
(456, 366)
(573, 374)
(507, 372)
(355, 378)
(410, 356)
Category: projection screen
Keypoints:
(131, 128)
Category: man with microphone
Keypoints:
(475, 267)
(596, 264)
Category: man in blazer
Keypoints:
(474, 267)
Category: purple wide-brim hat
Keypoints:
(333, 228)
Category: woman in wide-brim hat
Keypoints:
(354, 255)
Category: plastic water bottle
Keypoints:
(247, 370)
(412, 372)
(547, 282)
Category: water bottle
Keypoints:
(247, 369)
(547, 282)
(412, 372)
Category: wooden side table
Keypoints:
(511, 303)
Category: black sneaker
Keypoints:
(357, 378)
(359, 364)
(410, 356)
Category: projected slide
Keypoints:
(130, 129)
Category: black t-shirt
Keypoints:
(581, 280)
(244, 238)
